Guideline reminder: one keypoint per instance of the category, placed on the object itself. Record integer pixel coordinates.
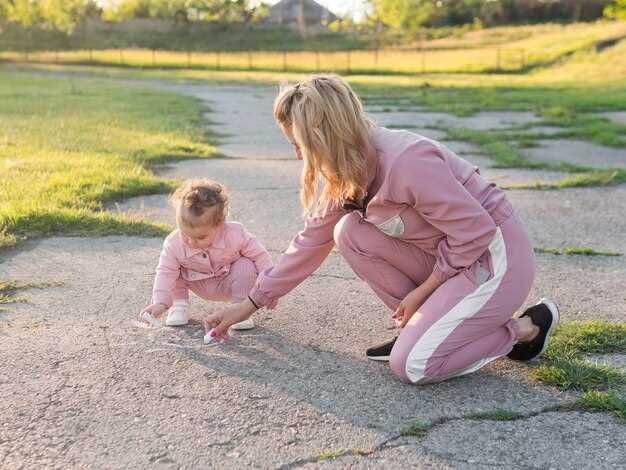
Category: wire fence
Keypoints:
(376, 61)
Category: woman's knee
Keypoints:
(411, 361)
(397, 362)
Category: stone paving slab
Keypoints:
(100, 388)
(546, 130)
(579, 152)
(274, 215)
(592, 217)
(479, 121)
(511, 177)
(587, 216)
(544, 441)
(243, 116)
(617, 116)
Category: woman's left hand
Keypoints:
(409, 306)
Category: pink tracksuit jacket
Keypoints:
(420, 192)
(179, 261)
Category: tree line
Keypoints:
(66, 15)
(410, 15)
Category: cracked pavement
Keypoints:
(83, 388)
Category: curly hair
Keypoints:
(200, 202)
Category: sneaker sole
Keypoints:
(379, 358)
(556, 317)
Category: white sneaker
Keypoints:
(177, 314)
(244, 325)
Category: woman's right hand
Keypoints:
(223, 319)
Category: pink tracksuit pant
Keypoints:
(233, 286)
(467, 322)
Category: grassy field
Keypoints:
(473, 52)
(69, 146)
(566, 94)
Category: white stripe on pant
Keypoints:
(469, 306)
(465, 323)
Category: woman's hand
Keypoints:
(415, 299)
(222, 319)
(409, 306)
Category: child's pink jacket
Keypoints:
(179, 260)
(419, 192)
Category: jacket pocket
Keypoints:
(393, 227)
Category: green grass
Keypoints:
(584, 180)
(68, 146)
(415, 429)
(331, 454)
(497, 146)
(567, 368)
(584, 126)
(496, 415)
(579, 374)
(9, 289)
(587, 337)
(609, 402)
(576, 250)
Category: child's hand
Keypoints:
(156, 310)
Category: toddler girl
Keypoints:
(215, 258)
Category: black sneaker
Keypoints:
(546, 316)
(382, 351)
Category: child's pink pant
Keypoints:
(234, 286)
(466, 323)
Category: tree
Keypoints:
(616, 10)
(410, 15)
(185, 10)
(61, 15)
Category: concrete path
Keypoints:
(82, 388)
(577, 151)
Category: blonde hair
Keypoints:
(328, 120)
(194, 199)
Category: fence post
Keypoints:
(284, 61)
(249, 60)
(349, 65)
(218, 62)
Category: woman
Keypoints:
(440, 246)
